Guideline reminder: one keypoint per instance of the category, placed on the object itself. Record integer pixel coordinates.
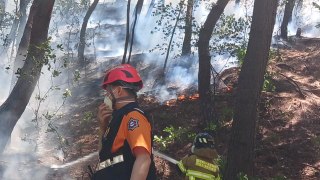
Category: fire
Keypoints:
(228, 89)
(171, 102)
(195, 96)
(182, 97)
(191, 97)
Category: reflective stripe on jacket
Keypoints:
(198, 166)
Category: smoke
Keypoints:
(105, 44)
(22, 166)
(304, 16)
(5, 77)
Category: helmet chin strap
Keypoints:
(125, 99)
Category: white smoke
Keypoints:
(106, 34)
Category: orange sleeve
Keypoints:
(138, 131)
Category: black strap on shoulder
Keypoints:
(113, 128)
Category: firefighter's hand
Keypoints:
(104, 115)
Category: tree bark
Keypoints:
(12, 109)
(23, 19)
(287, 17)
(242, 142)
(24, 43)
(186, 47)
(82, 43)
(171, 38)
(127, 34)
(205, 58)
(136, 13)
(151, 6)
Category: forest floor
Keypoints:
(288, 134)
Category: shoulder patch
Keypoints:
(132, 124)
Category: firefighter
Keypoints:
(201, 164)
(126, 142)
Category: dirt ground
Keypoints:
(288, 137)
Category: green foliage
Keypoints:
(173, 135)
(267, 83)
(222, 163)
(226, 113)
(273, 53)
(230, 35)
(70, 9)
(55, 68)
(66, 93)
(240, 54)
(76, 75)
(166, 15)
(212, 126)
(56, 73)
(280, 177)
(242, 176)
(48, 54)
(6, 21)
(48, 116)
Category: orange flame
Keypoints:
(195, 96)
(171, 102)
(182, 97)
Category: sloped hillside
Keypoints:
(288, 137)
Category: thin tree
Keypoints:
(151, 6)
(205, 58)
(82, 43)
(136, 13)
(186, 47)
(12, 109)
(171, 38)
(287, 17)
(126, 43)
(12, 34)
(19, 21)
(242, 142)
(24, 44)
(23, 19)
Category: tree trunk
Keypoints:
(82, 43)
(127, 34)
(23, 19)
(186, 47)
(287, 16)
(17, 22)
(2, 11)
(205, 58)
(12, 34)
(12, 109)
(241, 145)
(151, 6)
(171, 38)
(136, 13)
(24, 43)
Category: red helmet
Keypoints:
(126, 75)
